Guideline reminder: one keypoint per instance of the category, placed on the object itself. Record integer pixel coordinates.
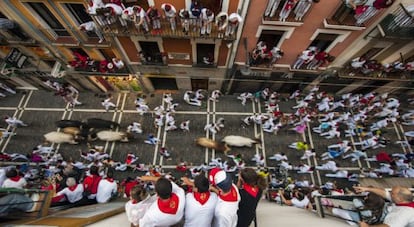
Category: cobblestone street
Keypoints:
(41, 109)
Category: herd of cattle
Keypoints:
(73, 131)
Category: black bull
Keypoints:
(90, 123)
(89, 127)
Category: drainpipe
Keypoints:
(233, 48)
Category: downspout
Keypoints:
(234, 46)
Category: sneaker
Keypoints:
(101, 40)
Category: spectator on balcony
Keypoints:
(93, 5)
(302, 7)
(118, 63)
(358, 62)
(320, 59)
(154, 17)
(207, 18)
(115, 10)
(287, 8)
(275, 54)
(170, 13)
(90, 26)
(271, 8)
(233, 22)
(368, 9)
(185, 20)
(195, 10)
(221, 23)
(304, 58)
(140, 18)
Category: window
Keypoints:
(44, 13)
(213, 5)
(78, 12)
(150, 53)
(271, 37)
(205, 54)
(323, 41)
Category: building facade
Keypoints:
(100, 45)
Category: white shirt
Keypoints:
(205, 17)
(225, 213)
(8, 183)
(235, 18)
(170, 13)
(300, 203)
(155, 217)
(72, 196)
(89, 26)
(136, 211)
(105, 191)
(197, 214)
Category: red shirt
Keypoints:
(91, 183)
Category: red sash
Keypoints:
(231, 196)
(410, 204)
(72, 188)
(202, 197)
(15, 179)
(252, 190)
(169, 206)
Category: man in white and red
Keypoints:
(200, 203)
(14, 180)
(225, 213)
(91, 182)
(169, 208)
(170, 13)
(234, 20)
(73, 192)
(107, 188)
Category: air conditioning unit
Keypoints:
(57, 71)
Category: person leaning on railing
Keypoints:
(402, 211)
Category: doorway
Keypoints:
(151, 53)
(162, 83)
(205, 54)
(199, 84)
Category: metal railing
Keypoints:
(40, 206)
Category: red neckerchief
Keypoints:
(15, 179)
(201, 197)
(230, 197)
(134, 201)
(252, 190)
(72, 188)
(410, 204)
(110, 179)
(169, 206)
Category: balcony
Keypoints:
(85, 65)
(399, 24)
(121, 27)
(344, 18)
(377, 74)
(275, 13)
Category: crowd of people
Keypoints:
(196, 18)
(365, 66)
(90, 180)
